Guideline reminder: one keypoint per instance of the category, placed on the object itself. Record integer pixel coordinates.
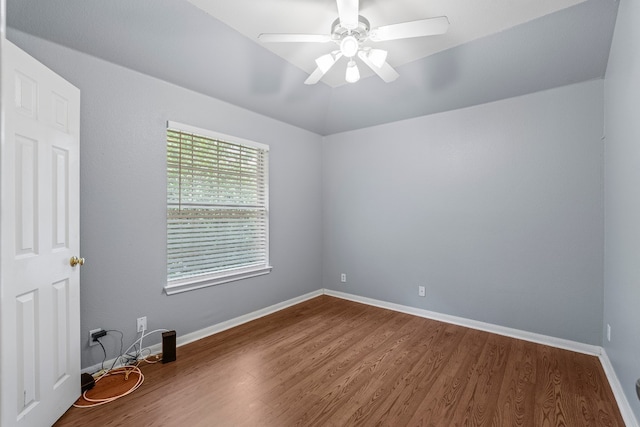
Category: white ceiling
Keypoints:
(469, 20)
(175, 41)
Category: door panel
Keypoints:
(61, 336)
(26, 201)
(39, 230)
(60, 198)
(28, 366)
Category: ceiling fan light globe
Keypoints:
(377, 57)
(325, 62)
(349, 46)
(353, 74)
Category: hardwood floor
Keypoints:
(330, 362)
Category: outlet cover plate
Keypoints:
(142, 324)
(91, 341)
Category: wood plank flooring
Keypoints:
(331, 362)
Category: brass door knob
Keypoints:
(76, 261)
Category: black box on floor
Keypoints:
(87, 382)
(168, 346)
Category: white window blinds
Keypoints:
(217, 208)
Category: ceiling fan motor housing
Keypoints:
(361, 33)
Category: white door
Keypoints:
(39, 230)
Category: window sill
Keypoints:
(191, 284)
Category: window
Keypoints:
(217, 208)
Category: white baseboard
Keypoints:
(211, 330)
(474, 324)
(623, 403)
(223, 326)
(625, 409)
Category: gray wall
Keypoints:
(123, 200)
(622, 200)
(497, 209)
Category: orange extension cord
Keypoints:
(124, 370)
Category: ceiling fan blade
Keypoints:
(325, 63)
(348, 13)
(314, 77)
(386, 72)
(405, 30)
(294, 38)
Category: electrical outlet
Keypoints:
(421, 291)
(343, 278)
(91, 332)
(608, 332)
(142, 324)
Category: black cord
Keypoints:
(105, 353)
(132, 358)
(121, 345)
(137, 348)
(127, 358)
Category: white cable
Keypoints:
(142, 337)
(117, 371)
(123, 370)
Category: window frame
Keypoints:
(179, 285)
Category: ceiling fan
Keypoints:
(350, 32)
